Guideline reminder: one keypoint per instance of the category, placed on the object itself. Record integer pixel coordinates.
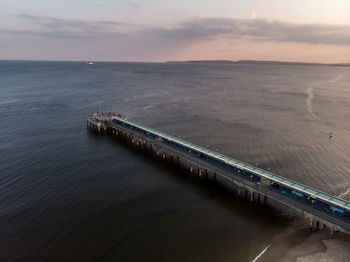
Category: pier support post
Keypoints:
(144, 145)
(239, 191)
(331, 234)
(251, 196)
(214, 177)
(199, 171)
(311, 223)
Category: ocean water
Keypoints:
(69, 195)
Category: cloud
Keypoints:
(252, 14)
(58, 22)
(197, 29)
(67, 28)
(138, 5)
(257, 30)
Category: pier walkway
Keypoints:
(249, 181)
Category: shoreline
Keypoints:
(300, 244)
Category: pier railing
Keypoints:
(248, 181)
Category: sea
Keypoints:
(69, 195)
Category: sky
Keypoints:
(162, 30)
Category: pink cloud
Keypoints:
(138, 5)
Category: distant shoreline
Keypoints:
(209, 62)
(255, 62)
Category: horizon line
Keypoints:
(176, 61)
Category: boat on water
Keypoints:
(330, 134)
(90, 63)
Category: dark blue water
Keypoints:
(67, 195)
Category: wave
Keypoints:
(10, 101)
(345, 195)
(308, 100)
(261, 253)
(310, 94)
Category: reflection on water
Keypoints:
(68, 195)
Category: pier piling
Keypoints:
(260, 184)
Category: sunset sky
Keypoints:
(161, 30)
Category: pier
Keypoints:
(321, 209)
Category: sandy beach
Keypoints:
(337, 250)
(299, 244)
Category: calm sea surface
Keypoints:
(68, 195)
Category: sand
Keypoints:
(338, 250)
(298, 244)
